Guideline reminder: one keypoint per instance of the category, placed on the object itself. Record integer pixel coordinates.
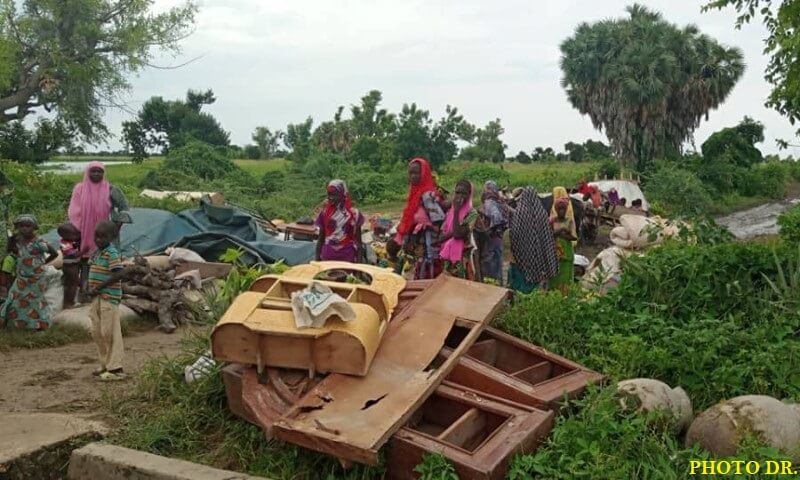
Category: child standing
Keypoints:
(26, 305)
(8, 268)
(105, 286)
(70, 247)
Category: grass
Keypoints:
(56, 336)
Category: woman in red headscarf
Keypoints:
(339, 226)
(421, 225)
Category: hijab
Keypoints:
(415, 193)
(89, 205)
(453, 248)
(347, 201)
(532, 243)
(560, 193)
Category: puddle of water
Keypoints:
(61, 168)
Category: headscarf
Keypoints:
(342, 214)
(26, 218)
(532, 244)
(560, 193)
(415, 193)
(491, 190)
(453, 248)
(613, 196)
(90, 204)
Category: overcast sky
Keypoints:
(277, 62)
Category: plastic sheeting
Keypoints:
(209, 230)
(628, 190)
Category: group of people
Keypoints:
(438, 234)
(91, 264)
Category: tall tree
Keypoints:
(74, 56)
(33, 145)
(486, 144)
(163, 124)
(646, 82)
(782, 19)
(298, 140)
(737, 143)
(267, 141)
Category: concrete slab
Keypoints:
(110, 462)
(23, 434)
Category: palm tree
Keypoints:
(646, 82)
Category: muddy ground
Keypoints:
(60, 379)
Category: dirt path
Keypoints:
(60, 379)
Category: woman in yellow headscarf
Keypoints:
(562, 220)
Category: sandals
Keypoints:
(112, 376)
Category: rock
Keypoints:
(721, 428)
(652, 395)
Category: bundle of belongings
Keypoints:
(634, 234)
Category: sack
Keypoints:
(314, 305)
(180, 255)
(652, 395)
(80, 316)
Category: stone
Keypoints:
(110, 462)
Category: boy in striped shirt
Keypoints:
(105, 286)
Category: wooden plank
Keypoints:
(464, 428)
(535, 373)
(207, 269)
(359, 415)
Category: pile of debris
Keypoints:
(437, 378)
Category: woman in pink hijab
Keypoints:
(457, 248)
(93, 200)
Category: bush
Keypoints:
(767, 180)
(609, 169)
(677, 192)
(199, 160)
(271, 182)
(480, 173)
(789, 222)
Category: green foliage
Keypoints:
(267, 142)
(435, 467)
(478, 174)
(782, 42)
(609, 169)
(251, 152)
(298, 140)
(487, 145)
(44, 194)
(789, 221)
(602, 442)
(184, 166)
(173, 124)
(738, 142)
(699, 316)
(645, 82)
(55, 336)
(33, 146)
(677, 191)
(74, 56)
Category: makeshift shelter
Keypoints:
(209, 231)
(627, 189)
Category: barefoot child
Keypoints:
(105, 286)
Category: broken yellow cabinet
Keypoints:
(259, 327)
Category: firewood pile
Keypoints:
(154, 290)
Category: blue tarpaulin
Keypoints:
(209, 231)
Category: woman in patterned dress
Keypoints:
(26, 306)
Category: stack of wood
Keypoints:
(153, 290)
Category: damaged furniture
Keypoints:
(440, 381)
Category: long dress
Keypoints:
(26, 305)
(565, 253)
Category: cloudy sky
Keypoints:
(276, 62)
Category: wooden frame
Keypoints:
(505, 366)
(352, 417)
(477, 433)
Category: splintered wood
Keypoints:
(352, 417)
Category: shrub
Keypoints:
(789, 222)
(271, 182)
(768, 180)
(677, 191)
(199, 160)
(480, 173)
(609, 169)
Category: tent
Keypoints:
(209, 231)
